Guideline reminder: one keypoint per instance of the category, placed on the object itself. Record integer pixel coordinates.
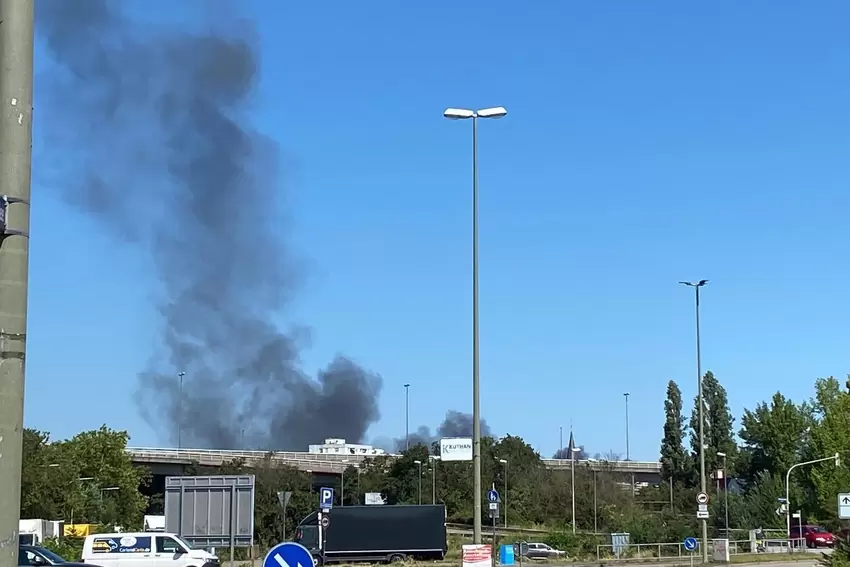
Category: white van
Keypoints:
(143, 549)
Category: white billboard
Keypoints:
(374, 499)
(456, 449)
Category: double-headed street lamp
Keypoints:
(474, 115)
(701, 434)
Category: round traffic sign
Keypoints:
(326, 521)
(702, 498)
(690, 543)
(288, 554)
(492, 496)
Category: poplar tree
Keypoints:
(674, 459)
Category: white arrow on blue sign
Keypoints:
(326, 498)
(690, 544)
(492, 496)
(288, 554)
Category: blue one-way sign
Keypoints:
(493, 496)
(326, 498)
(288, 554)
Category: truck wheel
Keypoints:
(317, 561)
(397, 558)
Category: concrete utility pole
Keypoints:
(16, 70)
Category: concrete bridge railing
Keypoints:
(319, 462)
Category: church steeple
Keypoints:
(571, 454)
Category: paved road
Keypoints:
(813, 562)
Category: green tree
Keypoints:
(40, 496)
(761, 501)
(108, 480)
(828, 436)
(674, 458)
(717, 430)
(521, 468)
(771, 436)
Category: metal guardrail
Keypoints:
(664, 551)
(501, 530)
(637, 466)
(303, 459)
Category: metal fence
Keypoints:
(677, 551)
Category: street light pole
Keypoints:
(434, 459)
(561, 441)
(407, 417)
(836, 457)
(701, 432)
(725, 493)
(626, 395)
(420, 480)
(505, 498)
(573, 483)
(180, 376)
(342, 483)
(474, 115)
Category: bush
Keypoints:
(576, 545)
(69, 548)
(840, 556)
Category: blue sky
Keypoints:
(647, 142)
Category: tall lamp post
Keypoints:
(180, 376)
(434, 459)
(417, 462)
(342, 482)
(505, 497)
(725, 493)
(836, 457)
(626, 395)
(573, 483)
(593, 464)
(474, 115)
(407, 417)
(701, 433)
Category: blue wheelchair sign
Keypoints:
(690, 544)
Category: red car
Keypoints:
(815, 536)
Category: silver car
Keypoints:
(541, 551)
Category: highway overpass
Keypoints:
(174, 461)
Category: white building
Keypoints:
(340, 447)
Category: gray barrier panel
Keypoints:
(211, 511)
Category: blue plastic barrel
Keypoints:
(506, 555)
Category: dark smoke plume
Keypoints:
(147, 128)
(456, 424)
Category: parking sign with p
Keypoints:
(326, 498)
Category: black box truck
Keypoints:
(378, 533)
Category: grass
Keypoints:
(772, 557)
